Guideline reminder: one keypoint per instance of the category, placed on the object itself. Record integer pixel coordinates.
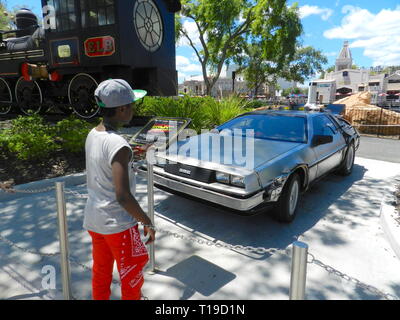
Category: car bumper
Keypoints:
(239, 204)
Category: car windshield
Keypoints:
(270, 126)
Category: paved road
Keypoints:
(379, 149)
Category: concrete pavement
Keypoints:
(339, 219)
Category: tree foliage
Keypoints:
(226, 27)
(307, 62)
(4, 19)
(255, 69)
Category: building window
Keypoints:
(394, 81)
(345, 73)
(97, 13)
(65, 14)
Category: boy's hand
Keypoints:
(152, 233)
(140, 151)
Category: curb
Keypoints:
(390, 226)
(70, 181)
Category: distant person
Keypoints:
(112, 213)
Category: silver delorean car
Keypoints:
(259, 161)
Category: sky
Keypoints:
(371, 27)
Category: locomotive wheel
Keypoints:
(5, 97)
(81, 95)
(29, 96)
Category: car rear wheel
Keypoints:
(286, 208)
(347, 166)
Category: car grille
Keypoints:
(190, 172)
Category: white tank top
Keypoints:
(103, 213)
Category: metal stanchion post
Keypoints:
(150, 197)
(299, 271)
(63, 233)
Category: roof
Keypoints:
(345, 53)
(324, 81)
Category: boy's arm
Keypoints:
(120, 165)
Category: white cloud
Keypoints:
(306, 11)
(378, 34)
(186, 68)
(194, 58)
(193, 33)
(183, 64)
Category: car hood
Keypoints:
(226, 153)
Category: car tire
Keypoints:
(348, 163)
(286, 209)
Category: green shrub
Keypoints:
(72, 133)
(205, 112)
(219, 112)
(186, 107)
(3, 142)
(255, 104)
(29, 138)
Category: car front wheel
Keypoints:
(286, 208)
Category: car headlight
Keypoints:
(223, 177)
(237, 181)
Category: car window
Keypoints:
(272, 127)
(323, 126)
(332, 124)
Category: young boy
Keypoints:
(112, 213)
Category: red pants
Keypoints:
(131, 255)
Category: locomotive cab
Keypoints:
(86, 42)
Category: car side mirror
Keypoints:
(320, 140)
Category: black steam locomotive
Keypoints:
(81, 43)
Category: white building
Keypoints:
(225, 85)
(345, 81)
(322, 92)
